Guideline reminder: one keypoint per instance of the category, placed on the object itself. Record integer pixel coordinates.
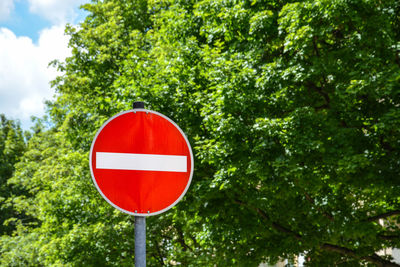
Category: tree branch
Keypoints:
(389, 237)
(397, 58)
(275, 225)
(159, 255)
(194, 241)
(374, 258)
(315, 46)
(312, 201)
(181, 240)
(383, 215)
(321, 93)
(386, 145)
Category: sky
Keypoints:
(32, 35)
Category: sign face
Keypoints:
(141, 162)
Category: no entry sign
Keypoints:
(141, 162)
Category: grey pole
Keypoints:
(140, 227)
(140, 241)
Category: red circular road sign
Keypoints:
(141, 162)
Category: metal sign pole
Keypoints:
(140, 227)
(140, 241)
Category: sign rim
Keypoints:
(190, 153)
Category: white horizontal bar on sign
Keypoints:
(141, 162)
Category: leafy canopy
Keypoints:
(292, 108)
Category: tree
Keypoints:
(291, 108)
(12, 145)
(298, 107)
(73, 224)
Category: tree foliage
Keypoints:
(292, 108)
(12, 146)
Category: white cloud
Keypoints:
(24, 71)
(56, 11)
(6, 6)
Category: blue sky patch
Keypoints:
(24, 23)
